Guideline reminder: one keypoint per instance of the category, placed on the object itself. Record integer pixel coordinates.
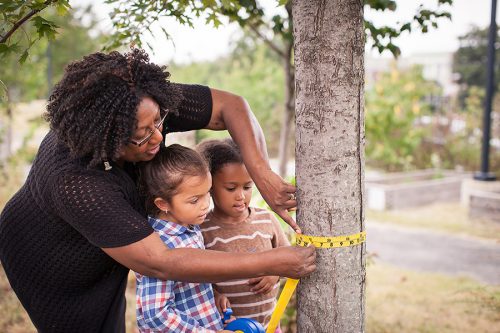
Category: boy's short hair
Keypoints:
(218, 153)
(160, 177)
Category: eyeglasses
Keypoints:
(151, 132)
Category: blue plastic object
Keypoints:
(244, 325)
(227, 315)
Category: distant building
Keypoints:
(437, 67)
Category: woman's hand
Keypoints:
(263, 284)
(293, 261)
(279, 195)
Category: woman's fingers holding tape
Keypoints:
(307, 261)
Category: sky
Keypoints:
(464, 14)
(204, 42)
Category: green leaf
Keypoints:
(405, 27)
(23, 57)
(7, 49)
(62, 8)
(226, 3)
(44, 27)
(3, 91)
(10, 6)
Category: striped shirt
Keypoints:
(173, 306)
(259, 232)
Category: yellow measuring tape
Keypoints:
(291, 284)
(330, 242)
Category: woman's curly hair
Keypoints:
(93, 108)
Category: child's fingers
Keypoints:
(260, 287)
(264, 290)
(261, 283)
(222, 303)
(220, 307)
(227, 304)
(255, 280)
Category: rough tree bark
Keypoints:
(329, 45)
(289, 112)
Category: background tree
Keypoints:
(329, 58)
(76, 38)
(30, 78)
(393, 105)
(14, 36)
(251, 70)
(469, 61)
(132, 19)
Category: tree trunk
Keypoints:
(289, 112)
(329, 45)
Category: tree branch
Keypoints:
(16, 26)
(273, 46)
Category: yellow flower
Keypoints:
(415, 108)
(397, 110)
(409, 87)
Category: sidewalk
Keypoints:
(431, 251)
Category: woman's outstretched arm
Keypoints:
(151, 257)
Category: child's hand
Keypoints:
(263, 285)
(221, 302)
(232, 318)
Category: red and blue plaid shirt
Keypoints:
(173, 306)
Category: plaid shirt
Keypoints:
(173, 306)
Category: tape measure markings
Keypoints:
(331, 242)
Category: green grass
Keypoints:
(404, 301)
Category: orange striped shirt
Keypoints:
(259, 232)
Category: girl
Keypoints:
(176, 184)
(234, 226)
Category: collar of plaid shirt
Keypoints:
(170, 228)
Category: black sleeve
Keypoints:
(194, 110)
(99, 210)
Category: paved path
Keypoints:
(430, 251)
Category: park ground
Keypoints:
(397, 299)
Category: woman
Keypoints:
(72, 232)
